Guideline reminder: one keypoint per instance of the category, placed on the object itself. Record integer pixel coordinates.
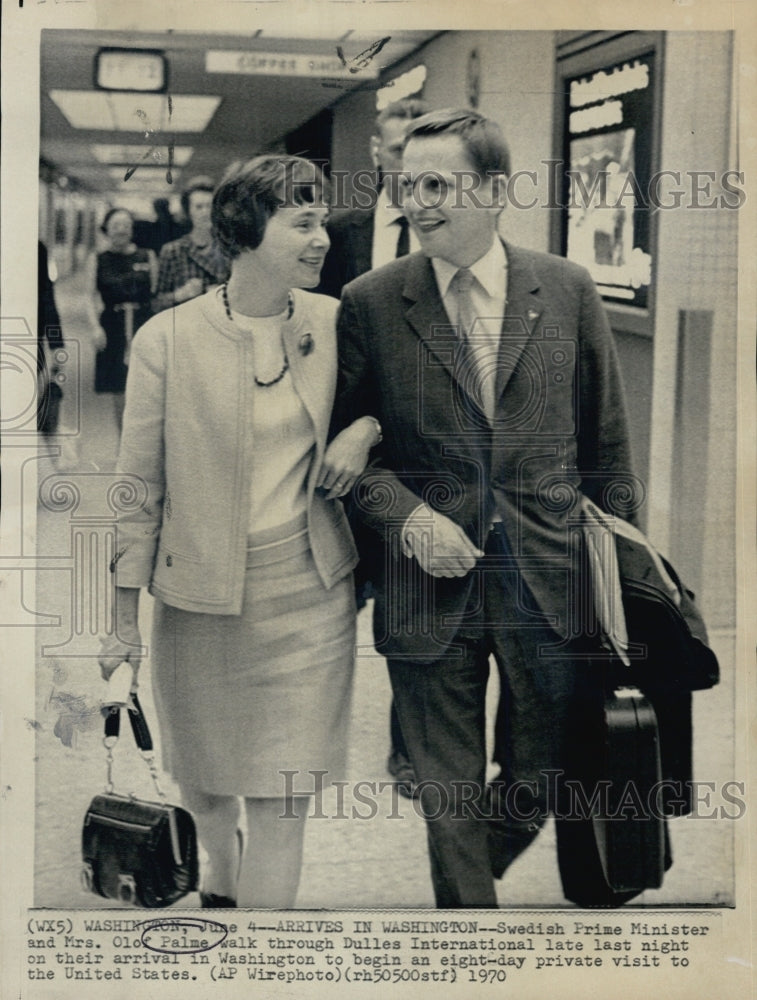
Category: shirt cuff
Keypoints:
(420, 515)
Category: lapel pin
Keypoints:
(306, 345)
(532, 314)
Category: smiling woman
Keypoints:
(243, 540)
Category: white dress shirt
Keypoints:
(488, 294)
(386, 231)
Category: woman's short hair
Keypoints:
(109, 215)
(252, 192)
(482, 137)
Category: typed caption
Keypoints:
(195, 950)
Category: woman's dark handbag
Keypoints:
(138, 852)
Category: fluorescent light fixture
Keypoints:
(401, 86)
(151, 175)
(148, 113)
(156, 155)
(131, 69)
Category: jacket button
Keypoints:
(169, 561)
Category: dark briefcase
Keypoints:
(630, 827)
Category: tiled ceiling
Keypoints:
(212, 118)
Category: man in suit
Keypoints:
(493, 373)
(364, 238)
(361, 239)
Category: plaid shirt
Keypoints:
(181, 260)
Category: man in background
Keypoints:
(363, 239)
(164, 229)
(49, 339)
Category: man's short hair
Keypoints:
(250, 193)
(195, 184)
(405, 110)
(482, 137)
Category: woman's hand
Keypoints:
(114, 649)
(347, 456)
(126, 642)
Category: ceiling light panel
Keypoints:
(157, 155)
(155, 174)
(148, 113)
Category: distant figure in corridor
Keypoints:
(122, 280)
(195, 262)
(153, 235)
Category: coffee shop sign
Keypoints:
(285, 64)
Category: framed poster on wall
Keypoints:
(608, 132)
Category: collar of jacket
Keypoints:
(208, 257)
(523, 307)
(312, 359)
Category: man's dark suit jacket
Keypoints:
(351, 250)
(560, 429)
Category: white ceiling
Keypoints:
(252, 112)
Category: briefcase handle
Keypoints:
(142, 738)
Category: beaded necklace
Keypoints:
(285, 368)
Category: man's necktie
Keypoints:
(403, 240)
(478, 366)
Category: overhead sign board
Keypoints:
(289, 64)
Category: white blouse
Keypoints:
(282, 432)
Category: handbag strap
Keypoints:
(142, 738)
(141, 730)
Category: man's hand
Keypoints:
(441, 547)
(347, 456)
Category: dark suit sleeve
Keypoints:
(604, 452)
(333, 276)
(380, 496)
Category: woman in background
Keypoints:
(192, 264)
(122, 279)
(241, 537)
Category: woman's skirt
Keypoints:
(254, 704)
